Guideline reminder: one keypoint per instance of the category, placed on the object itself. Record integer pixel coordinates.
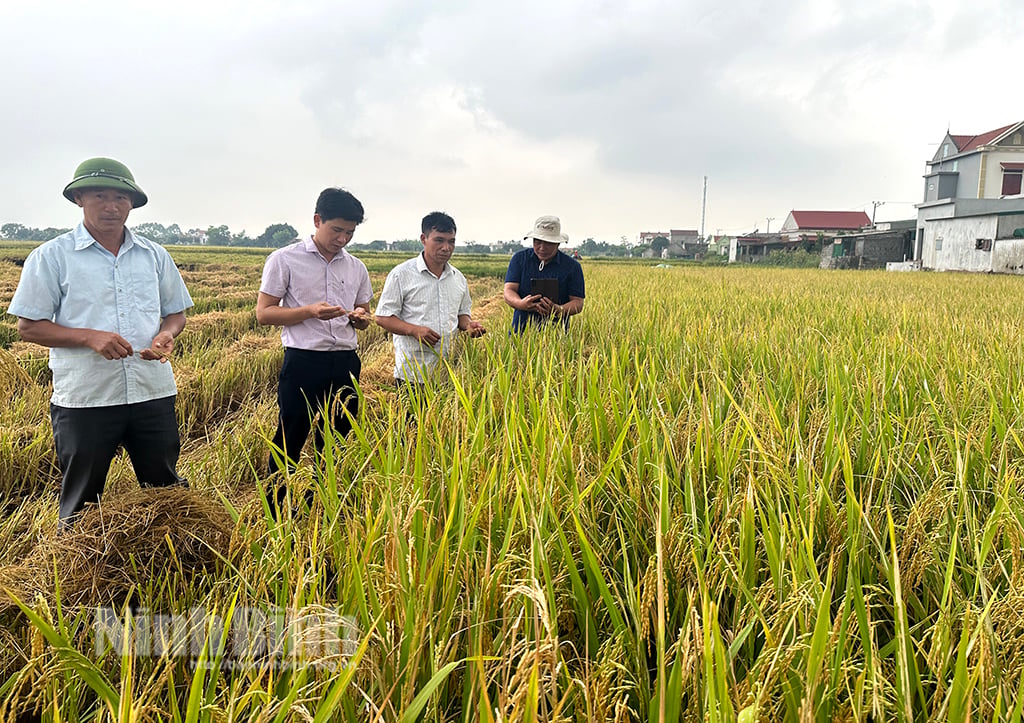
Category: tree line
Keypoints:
(275, 235)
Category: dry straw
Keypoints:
(13, 378)
(120, 545)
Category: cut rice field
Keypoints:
(724, 493)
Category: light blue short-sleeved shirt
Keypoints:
(416, 296)
(74, 282)
(298, 275)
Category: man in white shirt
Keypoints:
(425, 302)
(109, 304)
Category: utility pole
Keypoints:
(874, 207)
(768, 227)
(703, 209)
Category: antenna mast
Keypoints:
(703, 209)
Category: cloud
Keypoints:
(608, 114)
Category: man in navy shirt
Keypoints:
(544, 261)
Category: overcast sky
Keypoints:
(608, 114)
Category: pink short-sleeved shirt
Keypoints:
(299, 275)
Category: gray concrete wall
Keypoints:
(877, 251)
(958, 238)
(1008, 256)
(1008, 224)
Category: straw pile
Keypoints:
(128, 540)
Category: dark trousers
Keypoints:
(86, 440)
(313, 384)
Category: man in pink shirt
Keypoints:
(319, 294)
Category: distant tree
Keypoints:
(510, 247)
(175, 235)
(13, 231)
(473, 248)
(659, 244)
(409, 245)
(153, 231)
(218, 236)
(283, 237)
(46, 233)
(242, 239)
(277, 234)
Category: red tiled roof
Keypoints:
(969, 143)
(1012, 166)
(684, 232)
(831, 219)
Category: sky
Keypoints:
(607, 114)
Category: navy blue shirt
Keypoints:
(525, 266)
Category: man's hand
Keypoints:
(534, 304)
(359, 318)
(545, 306)
(324, 311)
(108, 344)
(475, 329)
(161, 348)
(425, 335)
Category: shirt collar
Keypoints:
(84, 239)
(554, 259)
(309, 245)
(421, 266)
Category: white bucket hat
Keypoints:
(548, 228)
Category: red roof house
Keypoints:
(811, 223)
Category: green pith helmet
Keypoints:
(105, 173)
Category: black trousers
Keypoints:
(86, 440)
(313, 384)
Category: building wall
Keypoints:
(1008, 256)
(958, 238)
(1008, 224)
(878, 250)
(994, 172)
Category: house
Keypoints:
(890, 242)
(987, 165)
(755, 246)
(978, 235)
(684, 244)
(681, 244)
(646, 237)
(718, 245)
(972, 203)
(811, 225)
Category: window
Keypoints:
(938, 243)
(945, 150)
(1011, 181)
(1016, 139)
(983, 244)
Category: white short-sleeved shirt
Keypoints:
(414, 295)
(74, 282)
(298, 275)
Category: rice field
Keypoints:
(725, 493)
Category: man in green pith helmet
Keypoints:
(109, 304)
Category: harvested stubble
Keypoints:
(120, 545)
